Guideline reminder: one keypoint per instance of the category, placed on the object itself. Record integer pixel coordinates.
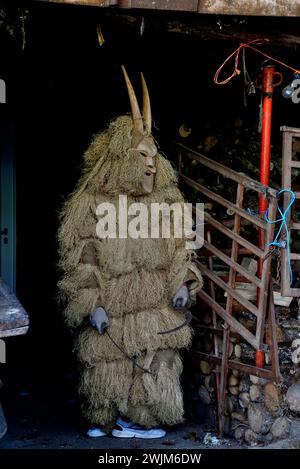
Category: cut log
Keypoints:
(233, 380)
(244, 385)
(210, 382)
(254, 379)
(238, 351)
(239, 433)
(229, 404)
(280, 335)
(205, 367)
(255, 393)
(231, 346)
(281, 427)
(234, 390)
(260, 420)
(293, 397)
(257, 380)
(239, 416)
(244, 399)
(272, 398)
(254, 439)
(296, 351)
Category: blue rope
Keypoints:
(286, 242)
(255, 214)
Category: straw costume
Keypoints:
(127, 367)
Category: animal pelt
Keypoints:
(134, 280)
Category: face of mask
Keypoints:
(147, 151)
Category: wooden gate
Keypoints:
(238, 244)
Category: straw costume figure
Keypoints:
(120, 292)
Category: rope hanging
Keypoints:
(236, 53)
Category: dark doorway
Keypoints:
(64, 87)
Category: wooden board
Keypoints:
(13, 317)
(217, 7)
(3, 425)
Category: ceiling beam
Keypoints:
(217, 7)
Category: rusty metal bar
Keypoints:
(236, 325)
(226, 231)
(229, 303)
(223, 363)
(241, 270)
(220, 200)
(216, 330)
(287, 183)
(213, 295)
(230, 291)
(234, 365)
(273, 340)
(295, 256)
(291, 130)
(239, 178)
(263, 283)
(265, 274)
(294, 292)
(215, 338)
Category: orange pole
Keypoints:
(267, 89)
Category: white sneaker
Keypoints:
(95, 432)
(131, 430)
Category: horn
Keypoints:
(146, 106)
(135, 110)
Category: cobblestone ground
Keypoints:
(40, 419)
(36, 421)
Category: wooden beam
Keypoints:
(13, 317)
(276, 32)
(94, 3)
(208, 27)
(3, 424)
(217, 7)
(235, 365)
(250, 8)
(14, 332)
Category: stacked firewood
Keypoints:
(257, 411)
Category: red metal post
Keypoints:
(267, 89)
